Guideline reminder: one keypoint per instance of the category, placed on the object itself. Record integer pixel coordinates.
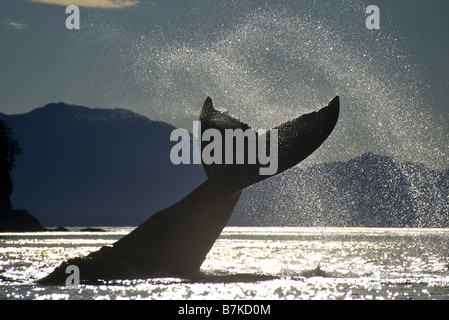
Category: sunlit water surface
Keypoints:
(250, 263)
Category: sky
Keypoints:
(264, 61)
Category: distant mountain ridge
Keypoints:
(367, 191)
(84, 166)
(95, 166)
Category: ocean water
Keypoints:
(275, 263)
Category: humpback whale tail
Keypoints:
(176, 240)
(297, 139)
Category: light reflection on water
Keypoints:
(251, 263)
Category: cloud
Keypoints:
(17, 25)
(98, 4)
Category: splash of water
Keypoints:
(272, 65)
(269, 63)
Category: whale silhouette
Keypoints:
(175, 241)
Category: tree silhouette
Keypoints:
(9, 151)
(11, 220)
(10, 148)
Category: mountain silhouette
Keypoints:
(367, 191)
(84, 166)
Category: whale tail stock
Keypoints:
(176, 240)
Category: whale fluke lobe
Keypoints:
(208, 107)
(211, 118)
(300, 137)
(176, 240)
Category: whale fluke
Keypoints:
(176, 240)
